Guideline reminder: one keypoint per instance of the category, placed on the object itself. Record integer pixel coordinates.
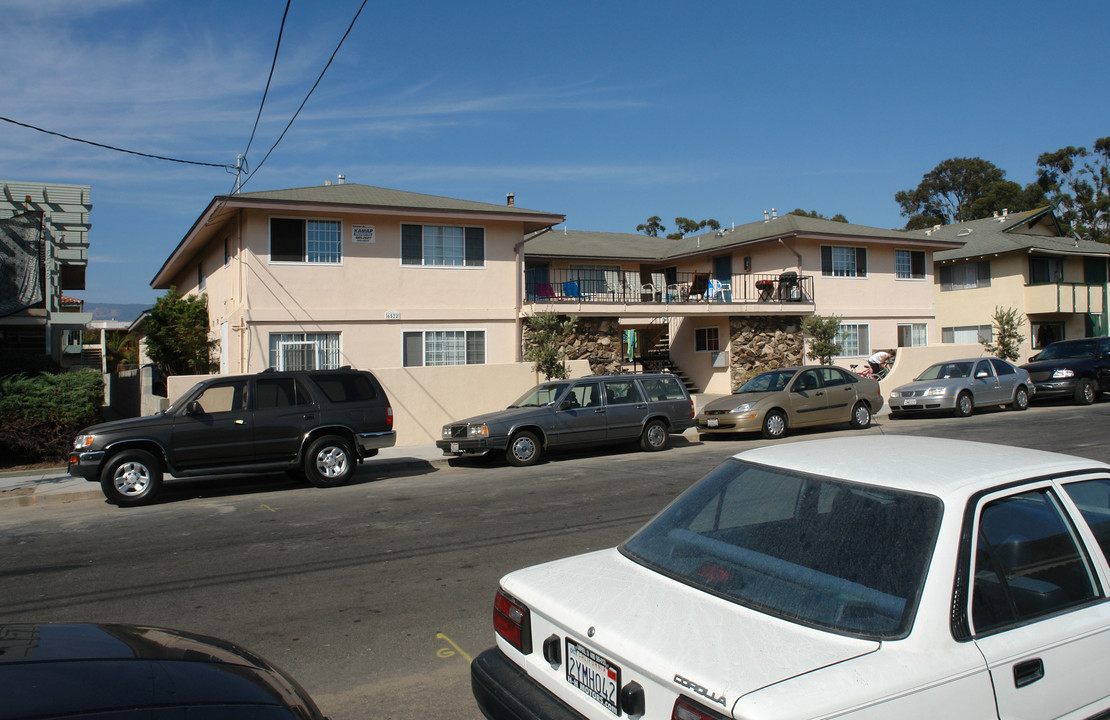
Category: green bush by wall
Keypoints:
(41, 414)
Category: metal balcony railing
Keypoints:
(608, 286)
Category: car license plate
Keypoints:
(711, 422)
(454, 447)
(910, 401)
(594, 675)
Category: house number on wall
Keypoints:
(392, 314)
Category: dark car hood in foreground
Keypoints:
(127, 424)
(79, 670)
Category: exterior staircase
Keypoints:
(657, 358)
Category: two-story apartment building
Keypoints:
(729, 303)
(348, 274)
(44, 244)
(1022, 261)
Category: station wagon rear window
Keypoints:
(663, 389)
(820, 551)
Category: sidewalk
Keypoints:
(55, 485)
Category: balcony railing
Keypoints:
(606, 286)
(1063, 297)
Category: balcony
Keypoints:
(1063, 297)
(626, 293)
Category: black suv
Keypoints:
(1079, 369)
(315, 423)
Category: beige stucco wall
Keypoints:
(369, 297)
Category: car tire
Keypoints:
(861, 416)
(654, 436)
(965, 405)
(1021, 399)
(329, 461)
(774, 425)
(131, 477)
(1085, 392)
(524, 449)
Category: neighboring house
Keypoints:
(1023, 261)
(348, 274)
(721, 306)
(44, 245)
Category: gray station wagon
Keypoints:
(594, 410)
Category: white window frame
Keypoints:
(844, 262)
(917, 331)
(841, 339)
(328, 349)
(424, 263)
(899, 254)
(701, 339)
(425, 349)
(306, 254)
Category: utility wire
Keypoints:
(111, 147)
(266, 92)
(305, 101)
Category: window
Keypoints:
(443, 347)
(227, 252)
(1027, 561)
(663, 389)
(965, 276)
(1092, 497)
(913, 335)
(1002, 368)
(707, 339)
(595, 279)
(967, 334)
(584, 395)
(271, 393)
(346, 387)
(854, 340)
(443, 246)
(1045, 269)
(909, 264)
(224, 397)
(622, 392)
(843, 261)
(200, 277)
(831, 377)
(305, 241)
(304, 351)
(1045, 333)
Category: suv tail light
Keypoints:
(510, 620)
(389, 416)
(687, 709)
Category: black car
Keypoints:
(1079, 369)
(576, 413)
(315, 423)
(83, 671)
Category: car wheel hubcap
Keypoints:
(656, 436)
(776, 425)
(331, 462)
(131, 478)
(524, 449)
(862, 415)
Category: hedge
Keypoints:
(40, 415)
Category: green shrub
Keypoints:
(40, 415)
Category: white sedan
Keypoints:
(868, 577)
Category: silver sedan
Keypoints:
(960, 386)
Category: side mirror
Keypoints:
(193, 408)
(982, 374)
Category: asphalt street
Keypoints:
(376, 595)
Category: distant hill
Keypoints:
(110, 311)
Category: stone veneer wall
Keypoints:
(597, 340)
(757, 344)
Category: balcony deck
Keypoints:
(1063, 297)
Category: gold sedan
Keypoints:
(777, 400)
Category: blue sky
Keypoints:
(607, 112)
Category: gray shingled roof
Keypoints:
(368, 195)
(632, 246)
(996, 235)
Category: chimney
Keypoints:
(327, 183)
(341, 179)
(766, 216)
(774, 214)
(510, 199)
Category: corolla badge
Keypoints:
(700, 690)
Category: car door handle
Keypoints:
(240, 422)
(309, 416)
(1028, 672)
(599, 411)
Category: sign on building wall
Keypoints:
(362, 233)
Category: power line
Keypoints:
(281, 30)
(305, 101)
(117, 149)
